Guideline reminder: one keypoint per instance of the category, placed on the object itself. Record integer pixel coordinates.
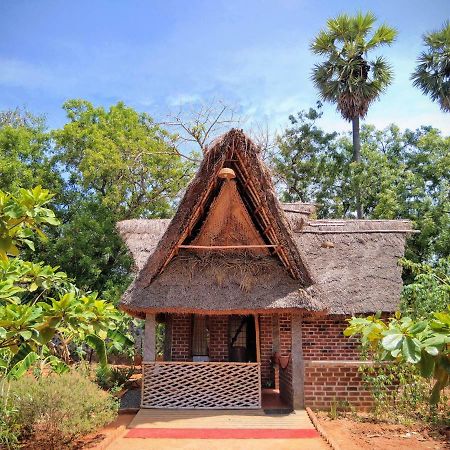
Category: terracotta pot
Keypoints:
(137, 360)
(283, 360)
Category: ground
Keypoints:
(203, 423)
(347, 433)
(363, 435)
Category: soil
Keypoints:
(351, 434)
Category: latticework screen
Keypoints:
(201, 385)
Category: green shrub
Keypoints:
(113, 378)
(60, 408)
(9, 428)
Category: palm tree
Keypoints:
(347, 78)
(432, 74)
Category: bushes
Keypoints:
(113, 378)
(60, 408)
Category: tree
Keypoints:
(122, 158)
(38, 302)
(119, 165)
(302, 161)
(199, 125)
(429, 290)
(25, 149)
(432, 74)
(402, 175)
(347, 77)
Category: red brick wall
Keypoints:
(218, 338)
(181, 337)
(336, 382)
(323, 340)
(265, 338)
(328, 378)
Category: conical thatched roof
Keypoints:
(355, 272)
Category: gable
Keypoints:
(245, 209)
(228, 226)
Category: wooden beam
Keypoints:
(357, 231)
(224, 247)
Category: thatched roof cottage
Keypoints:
(254, 293)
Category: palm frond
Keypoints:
(346, 77)
(432, 73)
(384, 35)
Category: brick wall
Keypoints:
(218, 338)
(265, 338)
(326, 383)
(331, 367)
(323, 340)
(181, 337)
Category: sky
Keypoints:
(158, 56)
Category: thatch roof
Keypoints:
(315, 265)
(235, 150)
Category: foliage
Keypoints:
(122, 157)
(432, 74)
(400, 393)
(41, 311)
(9, 428)
(430, 289)
(103, 166)
(425, 343)
(22, 215)
(402, 175)
(303, 156)
(25, 149)
(58, 409)
(347, 77)
(113, 378)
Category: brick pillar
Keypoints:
(265, 342)
(298, 368)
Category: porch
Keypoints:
(219, 362)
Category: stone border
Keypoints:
(330, 441)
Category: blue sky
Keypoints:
(156, 55)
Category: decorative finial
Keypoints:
(227, 173)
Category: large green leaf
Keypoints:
(392, 341)
(20, 368)
(99, 346)
(411, 350)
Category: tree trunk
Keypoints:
(357, 159)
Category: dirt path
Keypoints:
(354, 435)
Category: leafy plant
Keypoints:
(425, 343)
(21, 216)
(113, 378)
(430, 289)
(56, 409)
(41, 312)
